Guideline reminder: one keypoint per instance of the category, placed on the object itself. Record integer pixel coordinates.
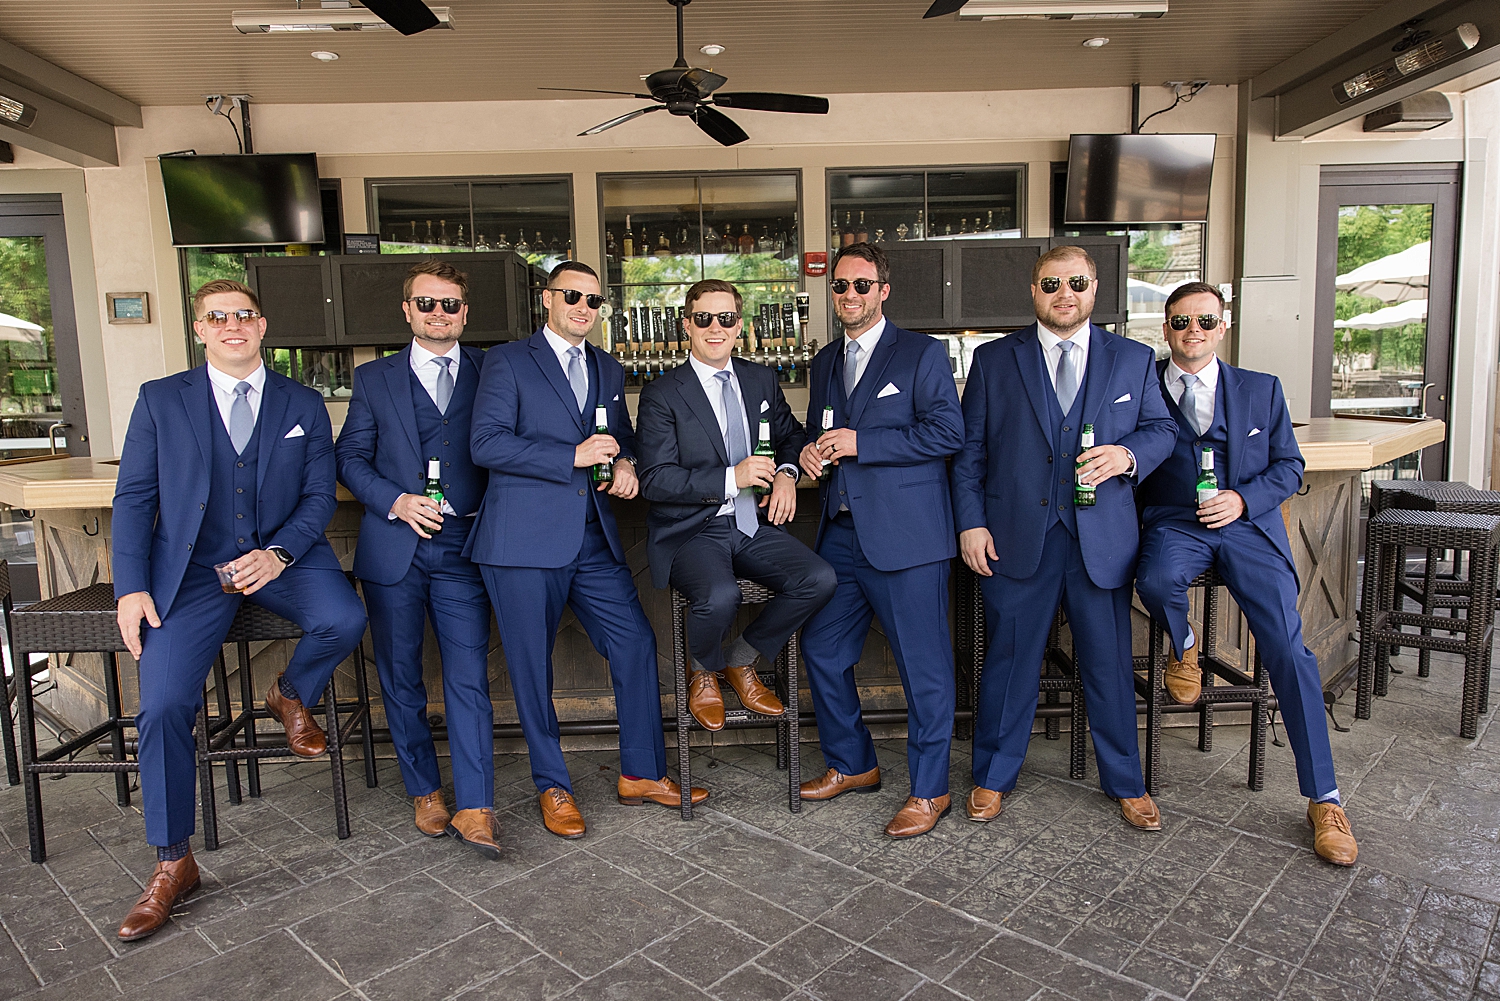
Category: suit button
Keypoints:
(1044, 502)
(200, 507)
(447, 463)
(239, 490)
(581, 493)
(445, 443)
(239, 516)
(1049, 458)
(1066, 428)
(241, 541)
(190, 545)
(1064, 482)
(240, 464)
(447, 486)
(445, 421)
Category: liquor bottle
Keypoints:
(710, 240)
(729, 245)
(663, 245)
(481, 244)
(627, 248)
(846, 235)
(861, 232)
(433, 488)
(642, 244)
(443, 240)
(1083, 496)
(554, 246)
(763, 447)
(611, 251)
(948, 229)
(1208, 481)
(602, 472)
(778, 242)
(413, 231)
(503, 244)
(989, 221)
(919, 231)
(765, 244)
(539, 246)
(428, 239)
(747, 242)
(833, 233)
(461, 241)
(827, 427)
(963, 224)
(522, 247)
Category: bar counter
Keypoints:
(71, 499)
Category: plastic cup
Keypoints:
(226, 577)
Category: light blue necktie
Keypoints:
(577, 378)
(1067, 376)
(241, 420)
(851, 368)
(739, 451)
(444, 383)
(1189, 402)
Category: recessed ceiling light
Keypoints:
(711, 49)
(1095, 43)
(324, 56)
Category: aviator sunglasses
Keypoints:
(1078, 283)
(572, 295)
(426, 304)
(218, 318)
(861, 285)
(704, 320)
(1207, 321)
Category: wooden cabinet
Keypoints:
(296, 298)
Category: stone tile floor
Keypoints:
(1057, 899)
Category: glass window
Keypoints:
(531, 215)
(931, 204)
(28, 362)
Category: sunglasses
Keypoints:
(861, 285)
(426, 304)
(218, 318)
(572, 295)
(1078, 283)
(704, 320)
(1207, 321)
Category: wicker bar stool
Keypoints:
(12, 686)
(784, 677)
(1381, 618)
(1241, 689)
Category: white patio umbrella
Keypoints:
(1399, 277)
(13, 328)
(1399, 315)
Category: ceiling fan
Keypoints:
(406, 16)
(689, 93)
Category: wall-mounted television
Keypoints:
(252, 199)
(1139, 178)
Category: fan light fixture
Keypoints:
(1413, 54)
(1095, 43)
(711, 49)
(251, 22)
(324, 56)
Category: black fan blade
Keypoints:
(942, 8)
(719, 126)
(705, 82)
(798, 104)
(406, 16)
(584, 90)
(621, 120)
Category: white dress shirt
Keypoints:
(426, 368)
(1052, 353)
(1203, 393)
(561, 348)
(867, 343)
(707, 375)
(224, 391)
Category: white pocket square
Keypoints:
(617, 398)
(889, 390)
(295, 432)
(1253, 432)
(1124, 399)
(765, 405)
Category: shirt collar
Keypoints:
(559, 346)
(706, 373)
(1050, 340)
(1208, 377)
(868, 340)
(421, 356)
(225, 383)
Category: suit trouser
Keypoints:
(175, 660)
(705, 570)
(529, 603)
(1264, 585)
(1018, 616)
(447, 588)
(913, 608)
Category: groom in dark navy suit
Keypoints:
(228, 465)
(1026, 401)
(408, 410)
(1241, 418)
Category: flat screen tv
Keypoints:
(254, 199)
(1138, 178)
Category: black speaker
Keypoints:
(367, 289)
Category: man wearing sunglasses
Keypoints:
(546, 539)
(887, 530)
(1242, 417)
(226, 467)
(1026, 401)
(695, 433)
(407, 409)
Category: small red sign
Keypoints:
(815, 263)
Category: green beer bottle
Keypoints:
(433, 488)
(1208, 482)
(1083, 495)
(602, 472)
(763, 447)
(827, 426)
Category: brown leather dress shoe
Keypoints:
(1184, 679)
(754, 695)
(1333, 839)
(704, 700)
(477, 829)
(560, 813)
(169, 883)
(983, 804)
(835, 783)
(432, 814)
(1141, 812)
(304, 737)
(918, 816)
(634, 792)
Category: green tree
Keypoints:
(1370, 232)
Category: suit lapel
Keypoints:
(691, 391)
(1229, 390)
(751, 396)
(1100, 373)
(546, 360)
(273, 406)
(398, 381)
(1033, 371)
(197, 398)
(865, 391)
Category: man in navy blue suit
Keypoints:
(886, 527)
(1240, 418)
(228, 465)
(409, 410)
(695, 431)
(1026, 401)
(546, 540)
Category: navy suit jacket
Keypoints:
(525, 429)
(1002, 478)
(379, 455)
(898, 483)
(683, 457)
(1265, 467)
(166, 467)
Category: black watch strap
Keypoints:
(281, 554)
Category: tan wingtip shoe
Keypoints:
(1184, 678)
(1333, 838)
(431, 814)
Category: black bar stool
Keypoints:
(1389, 533)
(12, 761)
(1253, 689)
(783, 677)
